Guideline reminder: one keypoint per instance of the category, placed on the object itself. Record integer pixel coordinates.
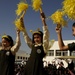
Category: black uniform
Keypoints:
(34, 65)
(6, 62)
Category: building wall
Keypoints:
(55, 53)
(21, 56)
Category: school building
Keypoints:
(53, 53)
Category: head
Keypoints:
(7, 41)
(69, 60)
(73, 29)
(37, 37)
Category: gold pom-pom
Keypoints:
(69, 8)
(19, 24)
(22, 6)
(57, 18)
(36, 4)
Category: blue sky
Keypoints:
(32, 20)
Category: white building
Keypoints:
(55, 53)
(21, 56)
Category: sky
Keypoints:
(32, 20)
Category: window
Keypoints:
(18, 57)
(61, 53)
(64, 53)
(23, 57)
(50, 53)
(73, 53)
(58, 53)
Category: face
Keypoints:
(73, 31)
(37, 39)
(5, 43)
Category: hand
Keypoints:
(22, 22)
(17, 31)
(58, 30)
(42, 16)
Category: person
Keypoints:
(62, 46)
(39, 46)
(70, 64)
(7, 53)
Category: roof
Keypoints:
(56, 46)
(22, 53)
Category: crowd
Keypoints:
(59, 68)
(18, 69)
(51, 68)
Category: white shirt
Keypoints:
(45, 38)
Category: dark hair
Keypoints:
(9, 39)
(40, 33)
(73, 24)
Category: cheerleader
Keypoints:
(7, 54)
(39, 46)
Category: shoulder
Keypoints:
(71, 45)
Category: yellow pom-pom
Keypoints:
(69, 8)
(19, 24)
(21, 7)
(36, 4)
(57, 18)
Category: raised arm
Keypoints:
(60, 40)
(45, 31)
(25, 35)
(16, 47)
(43, 18)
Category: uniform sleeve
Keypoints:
(17, 45)
(71, 46)
(27, 39)
(45, 38)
